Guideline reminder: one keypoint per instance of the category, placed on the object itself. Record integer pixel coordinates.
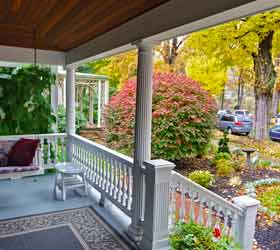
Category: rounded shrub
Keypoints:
(202, 177)
(220, 156)
(225, 167)
(183, 117)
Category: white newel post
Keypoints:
(158, 174)
(70, 107)
(248, 221)
(143, 127)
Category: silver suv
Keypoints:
(235, 124)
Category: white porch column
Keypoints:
(70, 106)
(91, 102)
(64, 92)
(54, 96)
(54, 104)
(99, 96)
(106, 92)
(104, 98)
(143, 127)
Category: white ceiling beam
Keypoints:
(174, 18)
(25, 55)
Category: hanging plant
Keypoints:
(25, 100)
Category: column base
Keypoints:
(135, 232)
(148, 244)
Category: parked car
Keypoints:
(277, 119)
(243, 112)
(223, 112)
(274, 133)
(235, 124)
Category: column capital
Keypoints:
(71, 66)
(140, 44)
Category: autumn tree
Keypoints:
(276, 91)
(170, 54)
(167, 57)
(256, 35)
(245, 43)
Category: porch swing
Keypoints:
(20, 156)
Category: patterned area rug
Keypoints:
(77, 229)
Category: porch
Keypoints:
(29, 196)
(30, 201)
(146, 195)
(167, 197)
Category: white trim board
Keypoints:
(174, 18)
(25, 55)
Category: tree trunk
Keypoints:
(275, 101)
(240, 92)
(241, 95)
(264, 83)
(222, 98)
(169, 50)
(262, 116)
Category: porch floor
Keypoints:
(34, 195)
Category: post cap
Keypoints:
(245, 201)
(159, 163)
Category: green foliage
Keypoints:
(269, 196)
(225, 167)
(24, 100)
(81, 120)
(191, 236)
(183, 117)
(203, 178)
(223, 144)
(119, 68)
(221, 155)
(211, 149)
(263, 164)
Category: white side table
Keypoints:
(69, 176)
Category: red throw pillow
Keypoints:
(23, 152)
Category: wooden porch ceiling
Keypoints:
(64, 24)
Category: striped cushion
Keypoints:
(15, 169)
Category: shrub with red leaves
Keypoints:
(183, 117)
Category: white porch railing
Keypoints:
(52, 148)
(169, 196)
(190, 201)
(106, 170)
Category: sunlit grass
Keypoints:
(269, 196)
